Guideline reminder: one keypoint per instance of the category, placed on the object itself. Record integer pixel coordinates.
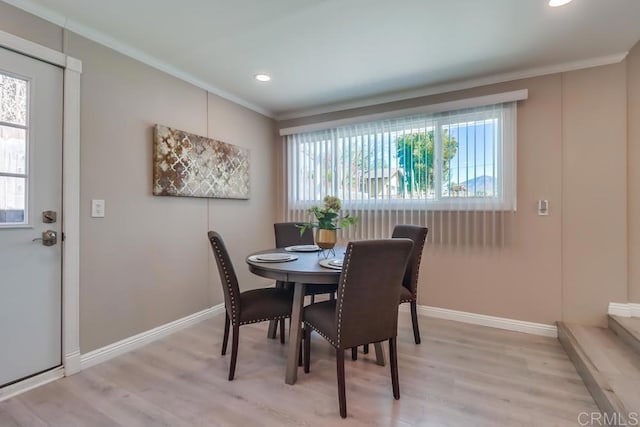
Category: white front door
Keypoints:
(30, 184)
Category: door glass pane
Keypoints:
(13, 100)
(13, 150)
(12, 199)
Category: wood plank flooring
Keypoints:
(461, 375)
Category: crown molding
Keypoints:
(128, 50)
(461, 85)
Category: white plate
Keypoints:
(273, 257)
(335, 263)
(302, 248)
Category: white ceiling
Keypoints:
(326, 55)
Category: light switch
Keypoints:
(543, 207)
(97, 208)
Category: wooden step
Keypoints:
(609, 368)
(628, 329)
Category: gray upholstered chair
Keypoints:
(409, 291)
(366, 307)
(242, 308)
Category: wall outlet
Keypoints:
(97, 208)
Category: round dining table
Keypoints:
(303, 270)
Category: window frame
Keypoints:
(505, 150)
(27, 219)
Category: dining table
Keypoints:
(302, 267)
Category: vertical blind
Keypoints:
(452, 171)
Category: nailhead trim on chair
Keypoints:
(415, 283)
(234, 319)
(264, 320)
(345, 273)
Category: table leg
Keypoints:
(379, 354)
(295, 334)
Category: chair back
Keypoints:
(287, 234)
(418, 235)
(228, 277)
(369, 289)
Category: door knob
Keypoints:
(49, 238)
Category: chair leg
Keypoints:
(281, 331)
(393, 362)
(307, 350)
(225, 338)
(234, 351)
(365, 349)
(313, 299)
(332, 296)
(354, 353)
(342, 398)
(301, 348)
(414, 320)
(271, 332)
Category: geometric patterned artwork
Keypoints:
(190, 165)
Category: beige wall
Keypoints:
(571, 151)
(633, 162)
(594, 191)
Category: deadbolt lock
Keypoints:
(49, 217)
(49, 238)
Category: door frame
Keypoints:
(70, 223)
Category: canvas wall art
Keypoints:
(190, 165)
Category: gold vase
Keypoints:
(326, 239)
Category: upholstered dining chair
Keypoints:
(409, 290)
(288, 234)
(242, 308)
(366, 307)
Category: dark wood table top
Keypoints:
(305, 269)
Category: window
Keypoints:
(450, 169)
(13, 150)
(455, 160)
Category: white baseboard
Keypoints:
(624, 309)
(128, 344)
(31, 383)
(484, 320)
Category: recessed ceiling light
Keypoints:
(556, 3)
(262, 77)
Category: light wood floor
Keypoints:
(461, 375)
